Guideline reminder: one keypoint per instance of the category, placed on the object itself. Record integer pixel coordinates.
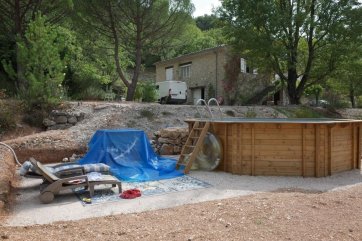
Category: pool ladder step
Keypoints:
(193, 145)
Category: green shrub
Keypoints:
(91, 93)
(7, 120)
(230, 113)
(305, 112)
(149, 92)
(250, 113)
(138, 92)
(35, 117)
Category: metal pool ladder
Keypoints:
(196, 137)
(207, 107)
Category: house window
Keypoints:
(185, 71)
(243, 68)
(169, 73)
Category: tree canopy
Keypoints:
(300, 40)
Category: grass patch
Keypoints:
(146, 114)
(131, 124)
(166, 113)
(300, 112)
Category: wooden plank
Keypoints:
(279, 148)
(252, 151)
(317, 137)
(240, 133)
(283, 158)
(295, 142)
(303, 151)
(330, 146)
(353, 147)
(226, 149)
(279, 136)
(359, 146)
(261, 164)
(326, 153)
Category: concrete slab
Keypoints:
(28, 209)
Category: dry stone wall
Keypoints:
(169, 141)
(59, 120)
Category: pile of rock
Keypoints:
(169, 141)
(59, 120)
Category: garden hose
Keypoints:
(12, 151)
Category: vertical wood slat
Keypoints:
(252, 150)
(317, 140)
(226, 147)
(234, 152)
(240, 144)
(359, 146)
(303, 150)
(330, 144)
(238, 148)
(325, 152)
(353, 156)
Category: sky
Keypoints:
(204, 6)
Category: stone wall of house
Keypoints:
(169, 141)
(60, 120)
(207, 68)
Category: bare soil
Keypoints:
(281, 215)
(266, 216)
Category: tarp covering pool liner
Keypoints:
(130, 155)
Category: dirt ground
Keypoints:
(284, 215)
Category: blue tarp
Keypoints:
(130, 155)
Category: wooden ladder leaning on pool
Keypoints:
(193, 145)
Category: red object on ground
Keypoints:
(130, 194)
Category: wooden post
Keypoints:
(252, 150)
(317, 143)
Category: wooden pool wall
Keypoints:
(288, 149)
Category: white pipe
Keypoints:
(12, 151)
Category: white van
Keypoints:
(171, 92)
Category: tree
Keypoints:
(135, 28)
(15, 15)
(315, 90)
(289, 37)
(43, 66)
(206, 22)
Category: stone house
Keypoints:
(207, 72)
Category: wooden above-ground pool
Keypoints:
(287, 147)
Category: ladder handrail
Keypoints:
(217, 103)
(206, 106)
